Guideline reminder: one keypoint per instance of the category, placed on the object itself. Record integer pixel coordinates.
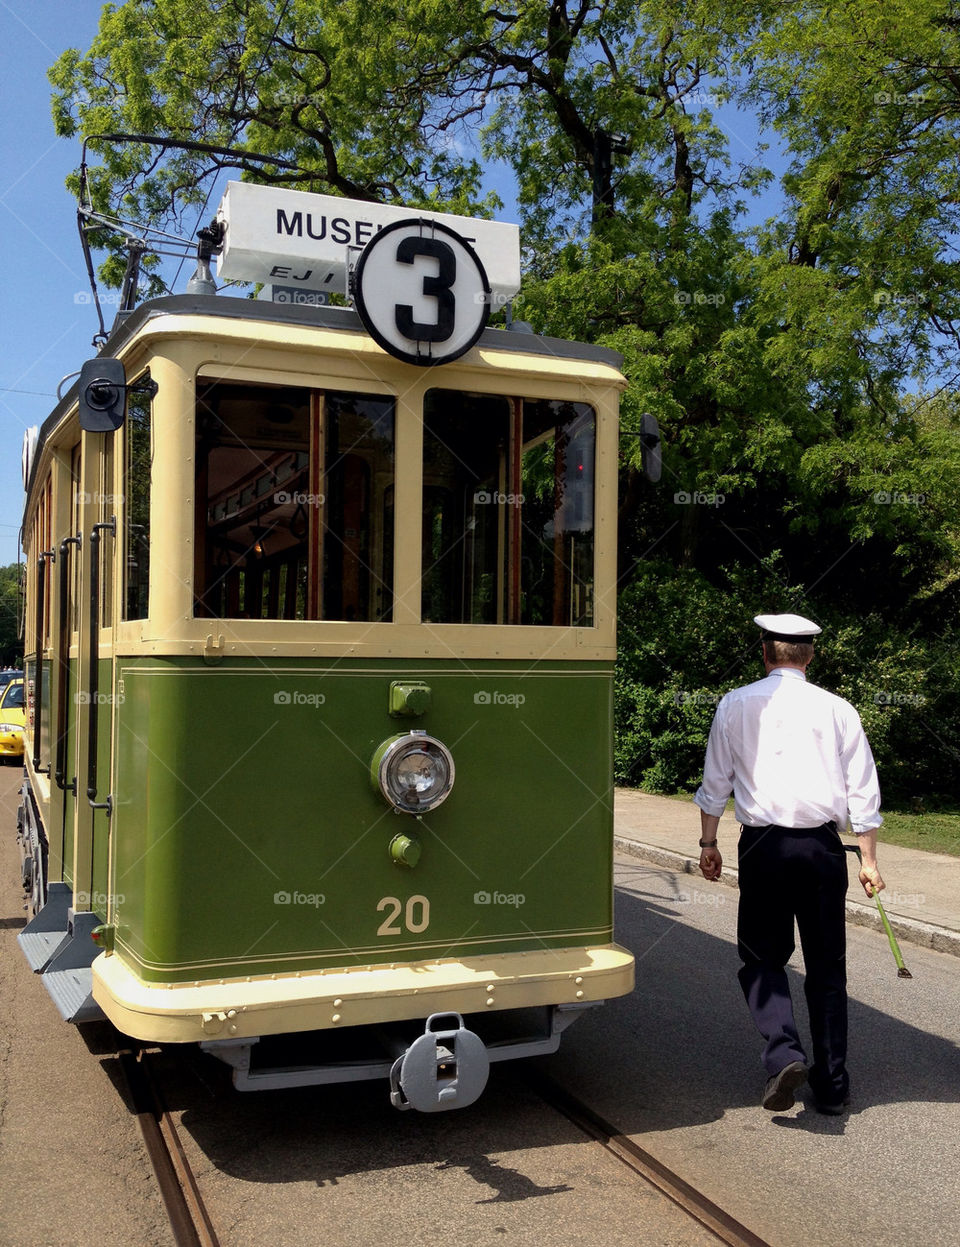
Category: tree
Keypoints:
(11, 616)
(776, 359)
(867, 98)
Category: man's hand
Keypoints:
(870, 879)
(711, 863)
(869, 873)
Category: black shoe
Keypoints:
(832, 1108)
(778, 1094)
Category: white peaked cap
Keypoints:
(787, 627)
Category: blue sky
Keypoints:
(44, 332)
(46, 322)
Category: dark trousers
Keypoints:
(801, 875)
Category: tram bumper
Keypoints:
(235, 1009)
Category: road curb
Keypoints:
(909, 930)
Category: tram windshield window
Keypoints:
(465, 443)
(294, 503)
(556, 539)
(508, 524)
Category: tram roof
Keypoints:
(303, 317)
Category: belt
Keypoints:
(831, 826)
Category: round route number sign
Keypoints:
(422, 292)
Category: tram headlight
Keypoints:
(415, 772)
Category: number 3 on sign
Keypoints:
(416, 915)
(422, 292)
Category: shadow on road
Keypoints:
(680, 1051)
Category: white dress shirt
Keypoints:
(792, 754)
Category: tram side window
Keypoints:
(557, 537)
(76, 465)
(508, 511)
(107, 510)
(294, 503)
(136, 493)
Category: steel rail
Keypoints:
(693, 1202)
(186, 1210)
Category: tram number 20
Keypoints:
(416, 915)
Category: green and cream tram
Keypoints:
(320, 647)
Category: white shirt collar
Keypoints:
(793, 672)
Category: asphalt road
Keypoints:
(676, 1065)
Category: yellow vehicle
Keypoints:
(12, 721)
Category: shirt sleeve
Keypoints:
(860, 774)
(713, 793)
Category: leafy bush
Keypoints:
(684, 642)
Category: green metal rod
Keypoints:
(902, 971)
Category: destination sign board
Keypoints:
(297, 239)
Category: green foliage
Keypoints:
(11, 616)
(685, 641)
(802, 470)
(867, 100)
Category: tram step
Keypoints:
(43, 935)
(39, 947)
(63, 959)
(71, 993)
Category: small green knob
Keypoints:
(409, 699)
(405, 850)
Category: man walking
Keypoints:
(799, 766)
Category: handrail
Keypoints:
(63, 664)
(93, 706)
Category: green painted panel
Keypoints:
(249, 839)
(100, 849)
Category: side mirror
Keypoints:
(103, 395)
(651, 455)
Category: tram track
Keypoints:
(692, 1201)
(192, 1226)
(189, 1220)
